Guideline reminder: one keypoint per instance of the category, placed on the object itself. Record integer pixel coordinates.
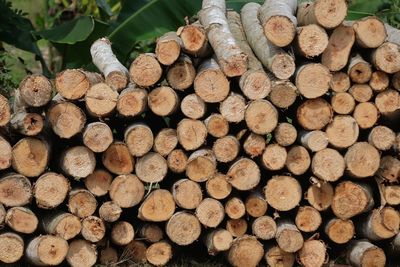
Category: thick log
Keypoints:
(244, 174)
(328, 14)
(233, 108)
(380, 224)
(362, 160)
(35, 90)
(382, 137)
(361, 92)
(145, 70)
(177, 161)
(298, 160)
(366, 114)
(274, 157)
(387, 57)
(15, 190)
(308, 219)
(159, 254)
(288, 237)
(320, 195)
(110, 211)
(370, 32)
(93, 229)
(362, 253)
(101, 100)
(392, 194)
(210, 212)
(168, 48)
(117, 159)
(217, 125)
(314, 114)
(379, 81)
(62, 224)
(72, 84)
(328, 165)
(11, 247)
(81, 203)
(285, 134)
(21, 220)
(226, 148)
(261, 117)
(187, 194)
(312, 80)
(283, 193)
(132, 101)
(158, 206)
(254, 145)
(151, 168)
(66, 119)
(313, 253)
(218, 240)
(339, 231)
(122, 233)
(264, 228)
(29, 124)
(193, 107)
(126, 190)
(194, 40)
(78, 161)
(342, 131)
(191, 133)
(46, 250)
(343, 103)
(283, 93)
(218, 186)
(50, 190)
(163, 101)
(97, 136)
(81, 253)
(183, 228)
(139, 139)
(245, 251)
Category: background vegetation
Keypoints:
(49, 35)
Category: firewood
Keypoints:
(387, 57)
(98, 182)
(314, 114)
(380, 224)
(308, 219)
(165, 141)
(132, 101)
(62, 224)
(261, 117)
(283, 193)
(126, 190)
(21, 220)
(78, 161)
(233, 108)
(366, 114)
(151, 233)
(151, 168)
(50, 190)
(370, 32)
(396, 80)
(343, 103)
(359, 70)
(46, 250)
(339, 231)
(81, 253)
(320, 195)
(145, 70)
(312, 80)
(15, 190)
(217, 125)
(361, 92)
(256, 205)
(328, 14)
(328, 165)
(163, 101)
(2, 214)
(275, 257)
(264, 228)
(392, 194)
(35, 90)
(314, 140)
(101, 100)
(29, 124)
(342, 131)
(210, 212)
(201, 165)
(285, 134)
(93, 229)
(11, 247)
(187, 194)
(177, 161)
(30, 156)
(72, 84)
(245, 251)
(363, 253)
(274, 157)
(218, 186)
(122, 233)
(109, 211)
(381, 137)
(139, 139)
(340, 82)
(158, 206)
(183, 228)
(254, 144)
(235, 208)
(81, 203)
(5, 111)
(298, 160)
(237, 227)
(313, 253)
(388, 102)
(108, 255)
(5, 153)
(136, 251)
(159, 253)
(168, 48)
(244, 174)
(362, 160)
(218, 240)
(191, 133)
(288, 237)
(193, 107)
(194, 39)
(283, 94)
(226, 148)
(379, 81)
(97, 136)
(117, 158)
(311, 40)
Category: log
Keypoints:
(191, 133)
(30, 156)
(217, 125)
(136, 250)
(46, 250)
(103, 57)
(328, 14)
(275, 257)
(396, 80)
(395, 245)
(388, 103)
(62, 224)
(254, 145)
(282, 192)
(343, 103)
(235, 208)
(320, 195)
(122, 233)
(126, 190)
(392, 194)
(187, 194)
(256, 205)
(379, 81)
(387, 57)
(314, 114)
(366, 114)
(163, 101)
(210, 83)
(66, 119)
(5, 154)
(5, 111)
(328, 165)
(362, 253)
(218, 240)
(151, 233)
(93, 229)
(359, 70)
(11, 247)
(382, 137)
(237, 228)
(165, 141)
(245, 251)
(159, 254)
(314, 140)
(78, 161)
(72, 84)
(308, 219)
(117, 159)
(362, 160)
(288, 237)
(226, 148)
(274, 157)
(29, 124)
(177, 161)
(342, 132)
(145, 70)
(101, 100)
(193, 107)
(81, 203)
(264, 228)
(168, 48)
(158, 206)
(370, 32)
(110, 211)
(298, 160)
(380, 224)
(151, 168)
(261, 116)
(183, 228)
(312, 80)
(21, 220)
(35, 90)
(98, 182)
(231, 58)
(285, 134)
(15, 190)
(97, 136)
(311, 40)
(233, 108)
(340, 82)
(351, 199)
(283, 94)
(278, 21)
(81, 253)
(339, 231)
(361, 92)
(313, 253)
(210, 212)
(132, 102)
(139, 139)
(336, 55)
(50, 190)
(218, 186)
(244, 174)
(194, 40)
(275, 59)
(201, 166)
(108, 255)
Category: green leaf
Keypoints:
(363, 8)
(70, 32)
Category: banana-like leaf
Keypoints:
(363, 8)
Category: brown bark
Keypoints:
(328, 14)
(145, 70)
(183, 228)
(66, 119)
(158, 206)
(93, 229)
(177, 161)
(366, 114)
(163, 101)
(139, 139)
(362, 160)
(245, 251)
(46, 250)
(35, 90)
(117, 158)
(110, 211)
(340, 82)
(81, 253)
(81, 203)
(15, 190)
(11, 247)
(244, 174)
(97, 136)
(191, 133)
(312, 80)
(308, 219)
(264, 228)
(283, 193)
(187, 194)
(217, 125)
(122, 233)
(283, 93)
(50, 190)
(29, 124)
(78, 161)
(101, 100)
(181, 74)
(314, 114)
(210, 212)
(159, 253)
(21, 220)
(62, 224)
(132, 101)
(343, 103)
(168, 48)
(218, 186)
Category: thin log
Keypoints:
(218, 240)
(151, 168)
(233, 108)
(98, 182)
(194, 40)
(132, 102)
(151, 232)
(5, 153)
(382, 137)
(218, 186)
(340, 82)
(93, 229)
(285, 134)
(35, 90)
(264, 228)
(359, 70)
(256, 205)
(313, 253)
(187, 194)
(191, 133)
(168, 48)
(261, 116)
(320, 195)
(361, 92)
(226, 148)
(380, 224)
(379, 81)
(108, 255)
(210, 212)
(366, 114)
(177, 161)
(308, 219)
(29, 124)
(46, 250)
(15, 190)
(21, 220)
(288, 237)
(314, 140)
(193, 107)
(314, 114)
(139, 139)
(165, 141)
(81, 253)
(392, 194)
(159, 254)
(275, 257)
(163, 101)
(11, 247)
(217, 125)
(328, 165)
(343, 103)
(370, 32)
(339, 231)
(5, 111)
(274, 157)
(245, 251)
(283, 94)
(254, 145)
(101, 100)
(311, 40)
(62, 224)
(235, 208)
(237, 228)
(387, 57)
(126, 190)
(110, 211)
(244, 174)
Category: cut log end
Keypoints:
(122, 233)
(283, 66)
(117, 159)
(382, 137)
(255, 84)
(29, 124)
(285, 134)
(78, 161)
(66, 119)
(235, 208)
(5, 111)
(283, 94)
(274, 157)
(311, 40)
(177, 161)
(81, 253)
(261, 117)
(163, 101)
(126, 190)
(168, 48)
(320, 195)
(264, 227)
(340, 231)
(298, 160)
(370, 32)
(226, 148)
(362, 160)
(159, 253)
(288, 237)
(343, 131)
(117, 80)
(101, 100)
(343, 103)
(217, 125)
(151, 168)
(47, 250)
(50, 190)
(256, 205)
(244, 174)
(280, 30)
(181, 74)
(328, 165)
(308, 219)
(145, 70)
(366, 114)
(254, 145)
(165, 141)
(191, 133)
(98, 182)
(139, 139)
(387, 57)
(11, 247)
(93, 229)
(245, 251)
(340, 82)
(109, 211)
(237, 228)
(82, 203)
(187, 194)
(218, 186)
(312, 80)
(313, 253)
(5, 154)
(183, 228)
(15, 190)
(192, 106)
(283, 193)
(158, 206)
(132, 102)
(97, 136)
(275, 256)
(36, 90)
(314, 114)
(233, 108)
(210, 212)
(21, 220)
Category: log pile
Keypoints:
(267, 136)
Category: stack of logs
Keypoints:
(265, 136)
